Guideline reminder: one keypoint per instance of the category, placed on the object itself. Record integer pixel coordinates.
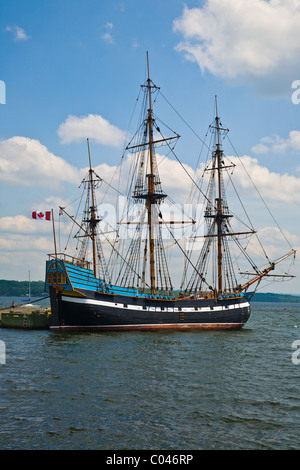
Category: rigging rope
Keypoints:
(184, 253)
(184, 121)
(255, 187)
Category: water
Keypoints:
(152, 390)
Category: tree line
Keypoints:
(21, 288)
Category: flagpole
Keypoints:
(54, 234)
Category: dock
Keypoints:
(25, 318)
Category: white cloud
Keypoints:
(177, 184)
(25, 243)
(277, 144)
(271, 238)
(107, 36)
(23, 225)
(93, 126)
(175, 181)
(25, 161)
(17, 224)
(271, 185)
(255, 41)
(18, 33)
(20, 253)
(29, 241)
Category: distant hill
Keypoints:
(20, 288)
(269, 297)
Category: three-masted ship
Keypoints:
(85, 296)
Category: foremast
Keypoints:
(88, 226)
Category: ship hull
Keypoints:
(101, 312)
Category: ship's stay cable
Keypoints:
(255, 187)
(184, 121)
(123, 259)
(251, 225)
(171, 149)
(244, 169)
(193, 188)
(185, 255)
(185, 170)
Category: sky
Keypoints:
(72, 70)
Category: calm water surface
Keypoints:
(164, 391)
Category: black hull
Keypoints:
(102, 312)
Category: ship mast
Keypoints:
(151, 189)
(89, 224)
(220, 216)
(219, 231)
(148, 191)
(93, 219)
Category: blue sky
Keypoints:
(63, 61)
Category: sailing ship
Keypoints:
(133, 290)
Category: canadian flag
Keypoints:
(39, 215)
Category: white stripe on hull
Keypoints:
(104, 303)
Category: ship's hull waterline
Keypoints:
(106, 312)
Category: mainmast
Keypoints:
(148, 189)
(93, 218)
(151, 189)
(152, 197)
(219, 204)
